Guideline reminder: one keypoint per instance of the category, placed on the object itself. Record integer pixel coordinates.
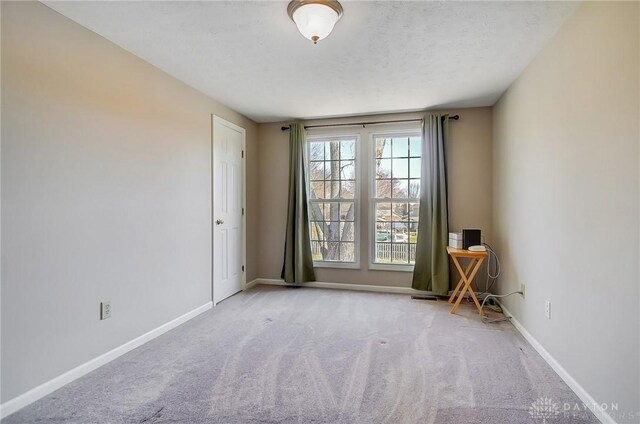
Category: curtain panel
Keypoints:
(431, 270)
(298, 262)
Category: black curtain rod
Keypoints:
(357, 124)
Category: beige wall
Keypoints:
(566, 193)
(469, 165)
(106, 195)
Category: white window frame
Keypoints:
(328, 136)
(373, 200)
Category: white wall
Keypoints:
(469, 167)
(566, 200)
(106, 195)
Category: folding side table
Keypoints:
(466, 276)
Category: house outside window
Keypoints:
(395, 198)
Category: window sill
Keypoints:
(337, 265)
(389, 267)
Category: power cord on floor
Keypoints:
(494, 296)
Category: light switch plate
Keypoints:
(547, 309)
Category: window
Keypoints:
(333, 197)
(395, 198)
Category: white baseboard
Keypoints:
(250, 284)
(343, 286)
(584, 396)
(50, 386)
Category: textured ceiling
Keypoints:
(383, 56)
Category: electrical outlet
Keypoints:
(547, 309)
(105, 310)
(522, 288)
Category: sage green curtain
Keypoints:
(431, 270)
(298, 262)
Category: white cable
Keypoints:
(491, 279)
(498, 267)
(500, 296)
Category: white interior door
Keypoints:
(228, 209)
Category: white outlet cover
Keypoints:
(105, 310)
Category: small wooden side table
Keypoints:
(466, 276)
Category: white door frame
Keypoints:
(215, 121)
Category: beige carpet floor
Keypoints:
(289, 355)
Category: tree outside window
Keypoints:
(332, 199)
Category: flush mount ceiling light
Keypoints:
(315, 19)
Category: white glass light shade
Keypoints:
(315, 21)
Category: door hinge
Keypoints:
(242, 211)
(242, 268)
(243, 154)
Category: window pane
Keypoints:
(317, 190)
(400, 212)
(316, 251)
(383, 212)
(415, 146)
(336, 233)
(414, 168)
(347, 252)
(347, 211)
(400, 253)
(400, 147)
(325, 212)
(414, 189)
(400, 188)
(316, 151)
(347, 231)
(316, 232)
(319, 170)
(383, 168)
(413, 232)
(332, 252)
(325, 230)
(383, 232)
(383, 252)
(347, 189)
(414, 212)
(348, 149)
(399, 232)
(347, 170)
(383, 148)
(400, 168)
(332, 150)
(315, 212)
(334, 211)
(383, 188)
(316, 171)
(331, 190)
(332, 231)
(332, 170)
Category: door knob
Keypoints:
(219, 221)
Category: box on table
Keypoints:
(455, 240)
